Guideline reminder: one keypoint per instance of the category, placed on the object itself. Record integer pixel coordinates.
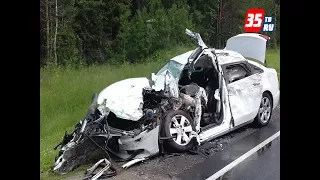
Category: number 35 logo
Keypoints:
(254, 20)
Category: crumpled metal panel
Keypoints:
(245, 98)
(147, 140)
(124, 98)
(228, 56)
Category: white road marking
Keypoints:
(243, 157)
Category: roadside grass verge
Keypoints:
(65, 95)
(273, 60)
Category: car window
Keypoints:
(236, 72)
(255, 69)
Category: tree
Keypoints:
(78, 32)
(55, 34)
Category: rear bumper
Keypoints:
(276, 99)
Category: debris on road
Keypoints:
(132, 162)
(106, 171)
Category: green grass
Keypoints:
(273, 60)
(56, 176)
(65, 95)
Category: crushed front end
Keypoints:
(103, 132)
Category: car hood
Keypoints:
(124, 98)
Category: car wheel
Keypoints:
(265, 110)
(178, 125)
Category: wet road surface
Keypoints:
(263, 165)
(223, 161)
(226, 149)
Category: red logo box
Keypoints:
(254, 20)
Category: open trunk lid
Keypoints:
(249, 45)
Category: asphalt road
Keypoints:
(224, 151)
(263, 165)
(234, 156)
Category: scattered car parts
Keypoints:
(106, 171)
(132, 162)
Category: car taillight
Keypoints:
(264, 36)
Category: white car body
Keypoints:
(244, 96)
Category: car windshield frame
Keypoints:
(195, 54)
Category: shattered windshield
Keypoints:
(174, 67)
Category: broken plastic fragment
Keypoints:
(132, 162)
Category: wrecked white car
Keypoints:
(195, 97)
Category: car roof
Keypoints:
(228, 56)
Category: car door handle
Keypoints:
(256, 83)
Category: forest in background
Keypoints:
(92, 32)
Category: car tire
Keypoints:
(265, 110)
(177, 132)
